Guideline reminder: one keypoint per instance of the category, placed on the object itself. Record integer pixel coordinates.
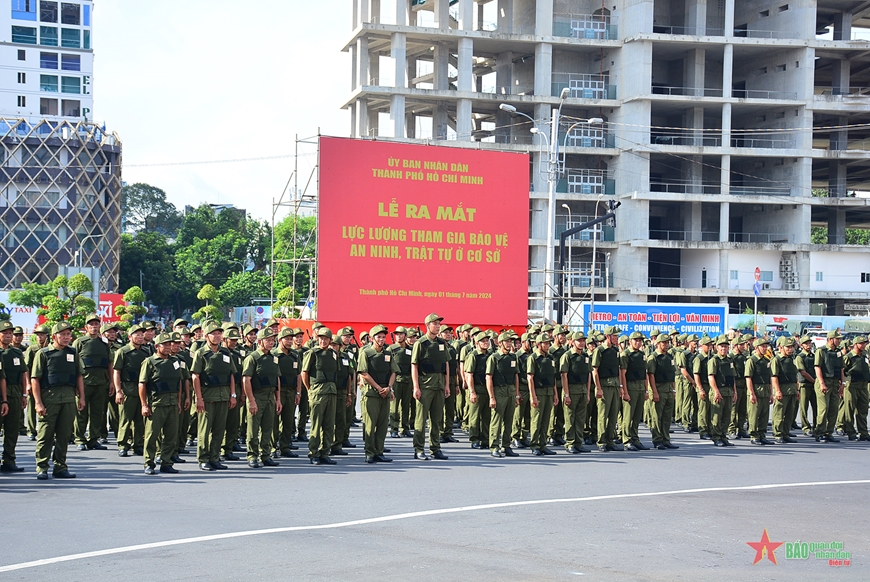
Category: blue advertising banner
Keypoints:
(644, 317)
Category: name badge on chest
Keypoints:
(386, 358)
(70, 358)
(227, 359)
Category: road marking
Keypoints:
(401, 516)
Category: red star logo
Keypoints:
(765, 546)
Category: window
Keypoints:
(48, 60)
(764, 13)
(71, 63)
(48, 35)
(48, 83)
(780, 68)
(87, 17)
(47, 11)
(24, 9)
(22, 55)
(70, 13)
(865, 277)
(22, 101)
(35, 199)
(22, 78)
(87, 42)
(47, 106)
(733, 276)
(782, 8)
(70, 38)
(820, 276)
(70, 85)
(24, 34)
(767, 276)
(71, 108)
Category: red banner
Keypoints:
(106, 308)
(405, 230)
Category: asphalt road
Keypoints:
(654, 515)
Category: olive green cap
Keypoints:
(228, 325)
(638, 335)
(544, 337)
(859, 340)
(6, 326)
(446, 328)
(722, 340)
(163, 338)
(298, 331)
(834, 335)
(212, 327)
(505, 336)
(785, 342)
(17, 330)
(324, 331)
(363, 335)
(706, 340)
(736, 341)
(59, 327)
(546, 328)
(761, 342)
(316, 325)
(481, 336)
(663, 338)
(612, 330)
(265, 333)
(806, 339)
(134, 328)
(286, 332)
(464, 327)
(578, 335)
(413, 332)
(42, 329)
(272, 321)
(180, 321)
(146, 325)
(195, 327)
(433, 317)
(176, 336)
(655, 333)
(107, 326)
(692, 337)
(674, 331)
(92, 317)
(525, 337)
(345, 331)
(746, 337)
(682, 337)
(233, 334)
(378, 329)
(623, 338)
(514, 335)
(474, 331)
(401, 329)
(184, 331)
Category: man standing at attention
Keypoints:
(430, 367)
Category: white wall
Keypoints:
(840, 271)
(744, 262)
(693, 262)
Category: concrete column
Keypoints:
(543, 19)
(694, 118)
(694, 66)
(726, 125)
(465, 64)
(504, 72)
(480, 16)
(543, 68)
(842, 69)
(464, 81)
(466, 14)
(441, 83)
(727, 70)
(725, 176)
(354, 70)
(843, 26)
(464, 122)
(361, 117)
(410, 125)
(840, 137)
(729, 18)
(724, 275)
(693, 225)
(505, 16)
(696, 16)
(397, 115)
(836, 179)
(836, 226)
(397, 102)
(362, 60)
(442, 14)
(724, 222)
(373, 77)
(375, 11)
(403, 9)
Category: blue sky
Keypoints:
(220, 80)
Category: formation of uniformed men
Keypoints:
(220, 387)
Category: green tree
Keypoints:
(67, 302)
(241, 288)
(150, 253)
(145, 208)
(298, 245)
(210, 261)
(134, 297)
(31, 294)
(211, 309)
(285, 303)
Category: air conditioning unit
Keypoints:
(765, 286)
(785, 268)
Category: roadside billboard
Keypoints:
(697, 318)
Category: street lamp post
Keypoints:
(78, 261)
(567, 276)
(592, 278)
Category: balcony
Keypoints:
(679, 187)
(762, 140)
(582, 86)
(760, 238)
(761, 94)
(587, 136)
(686, 137)
(589, 26)
(760, 190)
(689, 30)
(684, 235)
(586, 181)
(686, 91)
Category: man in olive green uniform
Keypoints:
(684, 360)
(608, 387)
(96, 357)
(479, 412)
(556, 430)
(214, 383)
(302, 406)
(461, 391)
(720, 397)
(784, 384)
(17, 377)
(179, 352)
(349, 353)
(110, 407)
(262, 385)
(56, 380)
(42, 332)
(400, 405)
(830, 383)
(805, 363)
(661, 374)
(702, 384)
(857, 373)
(345, 391)
(758, 393)
(235, 421)
(378, 369)
(522, 420)
(738, 412)
(126, 367)
(576, 375)
(503, 387)
(453, 383)
(541, 376)
(430, 367)
(291, 390)
(161, 386)
(319, 371)
(632, 370)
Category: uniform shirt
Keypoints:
(607, 361)
(662, 367)
(13, 365)
(830, 361)
(543, 369)
(805, 362)
(379, 365)
(758, 368)
(288, 365)
(739, 361)
(854, 365)
(786, 372)
(577, 366)
(166, 370)
(721, 368)
(502, 368)
(699, 368)
(475, 364)
(322, 368)
(522, 363)
(431, 357)
(219, 364)
(263, 370)
(60, 394)
(128, 360)
(634, 363)
(96, 357)
(401, 355)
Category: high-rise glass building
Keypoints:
(60, 171)
(733, 132)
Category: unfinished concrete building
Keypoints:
(735, 133)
